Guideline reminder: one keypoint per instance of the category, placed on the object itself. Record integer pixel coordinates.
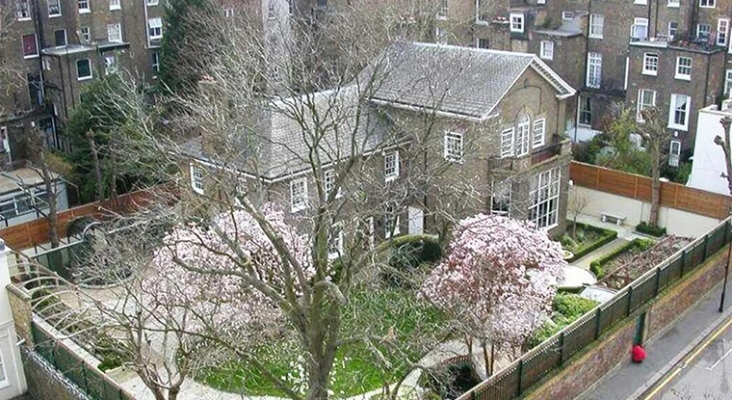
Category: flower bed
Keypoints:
(588, 239)
(633, 260)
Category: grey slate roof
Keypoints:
(289, 128)
(458, 80)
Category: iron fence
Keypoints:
(89, 379)
(514, 381)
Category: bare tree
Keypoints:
(578, 204)
(656, 135)
(726, 146)
(305, 136)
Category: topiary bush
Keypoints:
(408, 254)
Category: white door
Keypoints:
(416, 221)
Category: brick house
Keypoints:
(493, 119)
(598, 46)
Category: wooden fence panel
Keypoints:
(23, 236)
(638, 187)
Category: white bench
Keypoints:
(610, 217)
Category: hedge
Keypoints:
(597, 266)
(657, 231)
(608, 235)
(407, 254)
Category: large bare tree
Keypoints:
(656, 135)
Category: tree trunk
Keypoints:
(655, 183)
(50, 186)
(97, 166)
(486, 360)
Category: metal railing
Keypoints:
(514, 380)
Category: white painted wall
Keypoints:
(11, 370)
(675, 221)
(708, 165)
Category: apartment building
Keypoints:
(600, 47)
(57, 47)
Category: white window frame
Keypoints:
(91, 70)
(507, 142)
(597, 25)
(594, 70)
(683, 72)
(722, 31)
(539, 132)
(111, 36)
(84, 6)
(298, 194)
(643, 105)
(544, 198)
(153, 2)
(674, 108)
(674, 28)
(66, 37)
(673, 3)
(336, 251)
(391, 166)
(728, 83)
(155, 55)
(442, 9)
(706, 31)
(440, 35)
(85, 34)
(517, 22)
(391, 218)
(639, 22)
(567, 15)
(650, 64)
(674, 153)
(58, 6)
(23, 10)
(155, 28)
(640, 2)
(115, 4)
(707, 3)
(501, 194)
(584, 100)
(452, 148)
(197, 179)
(546, 50)
(329, 182)
(523, 134)
(110, 64)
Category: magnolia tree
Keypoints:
(499, 279)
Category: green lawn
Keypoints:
(372, 311)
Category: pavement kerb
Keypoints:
(655, 378)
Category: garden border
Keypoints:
(608, 235)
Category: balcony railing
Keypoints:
(559, 146)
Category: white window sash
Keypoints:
(390, 176)
(196, 179)
(539, 132)
(507, 143)
(298, 194)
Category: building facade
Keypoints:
(599, 47)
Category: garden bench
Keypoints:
(610, 217)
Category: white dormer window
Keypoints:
(517, 22)
(568, 15)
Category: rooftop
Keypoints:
(17, 179)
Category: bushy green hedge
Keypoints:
(643, 227)
(597, 267)
(568, 307)
(407, 254)
(608, 235)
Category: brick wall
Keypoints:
(20, 306)
(613, 349)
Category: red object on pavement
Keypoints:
(638, 354)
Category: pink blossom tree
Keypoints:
(499, 278)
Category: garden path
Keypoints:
(626, 234)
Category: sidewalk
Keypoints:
(628, 381)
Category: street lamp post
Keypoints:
(726, 268)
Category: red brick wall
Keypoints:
(589, 368)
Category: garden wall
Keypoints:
(676, 222)
(45, 382)
(23, 236)
(638, 187)
(614, 349)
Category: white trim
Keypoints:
(596, 35)
(390, 176)
(680, 76)
(520, 22)
(640, 106)
(301, 203)
(720, 22)
(452, 138)
(546, 50)
(196, 181)
(709, 3)
(648, 66)
(115, 5)
(540, 139)
(672, 112)
(91, 72)
(507, 148)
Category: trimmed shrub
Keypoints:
(643, 227)
(597, 266)
(408, 253)
(608, 236)
(572, 306)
